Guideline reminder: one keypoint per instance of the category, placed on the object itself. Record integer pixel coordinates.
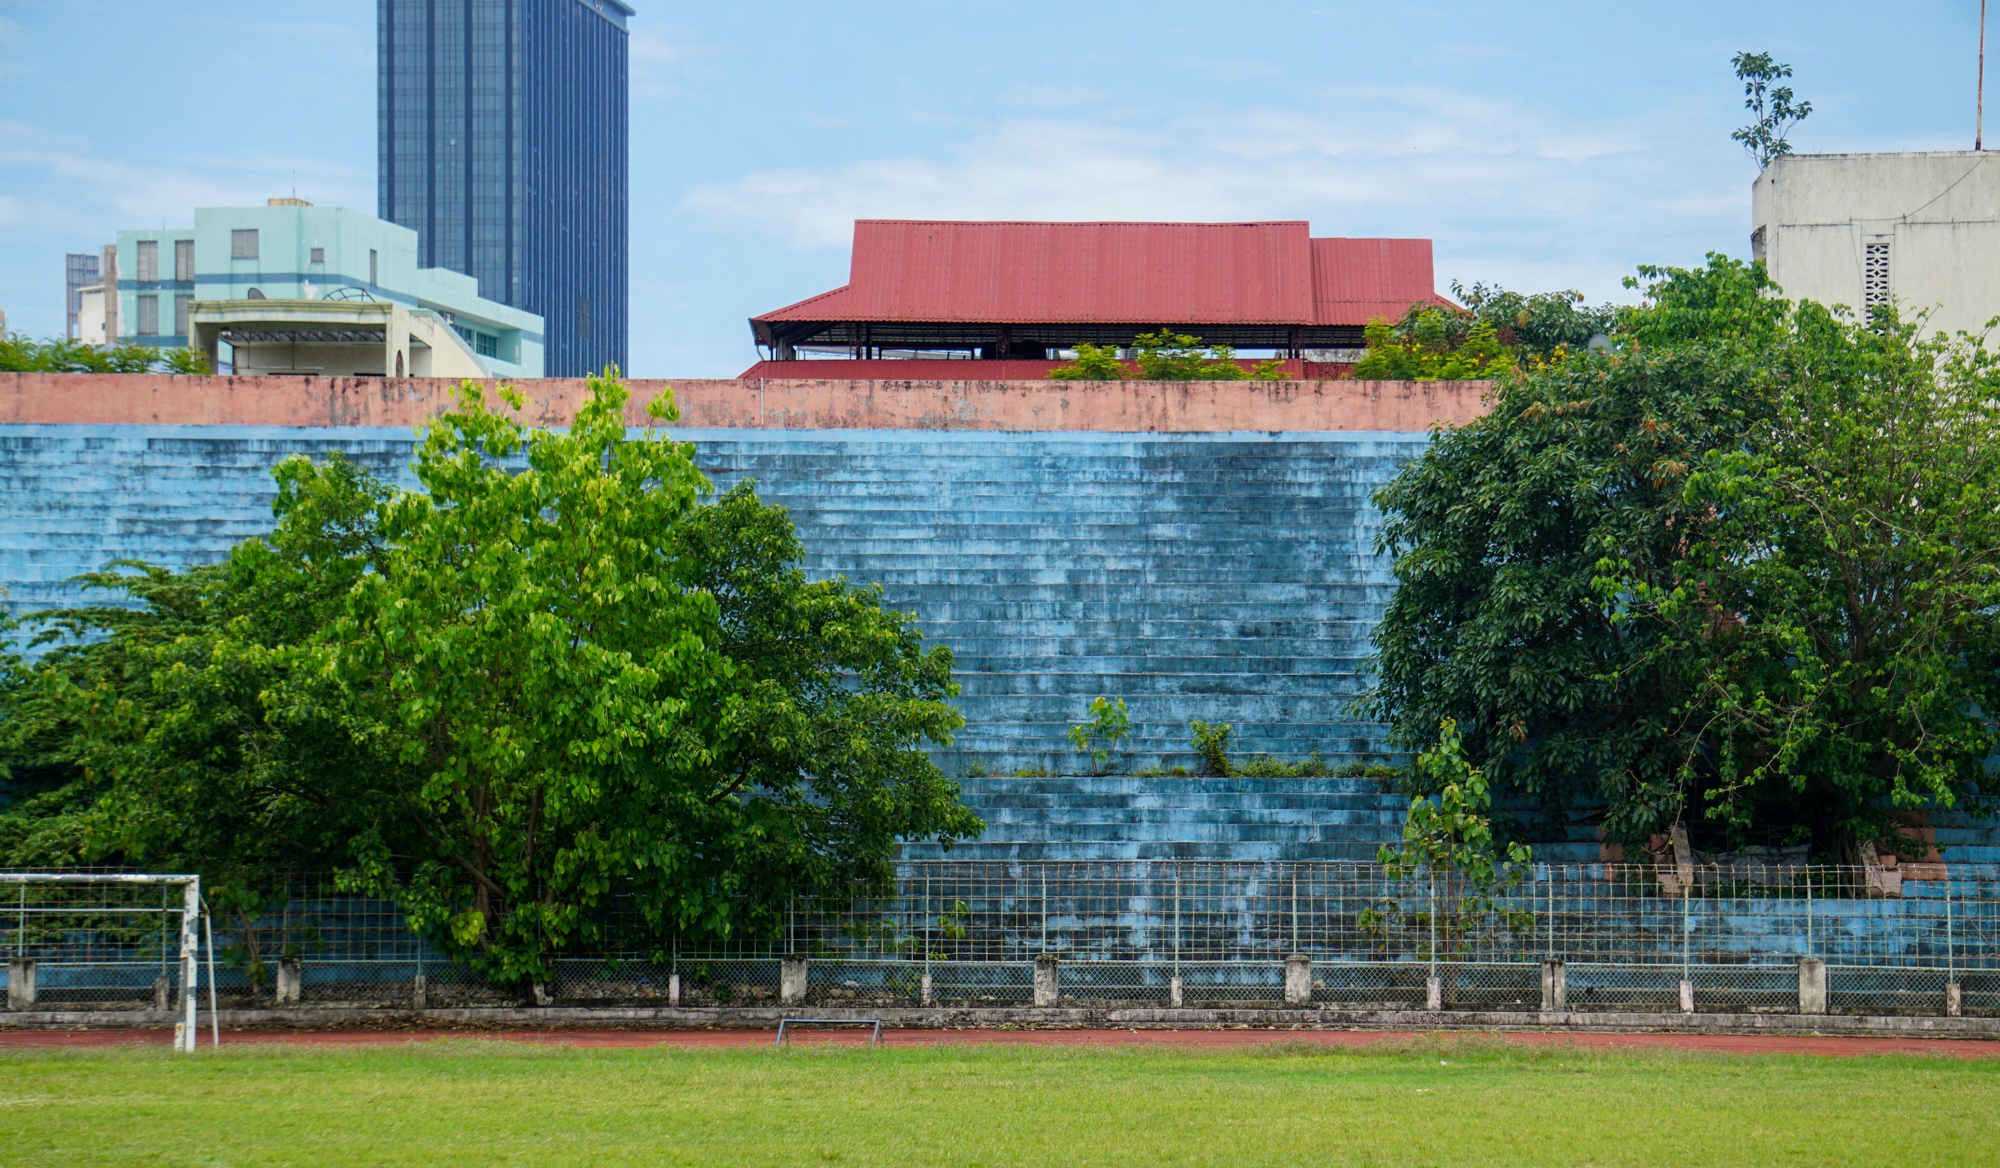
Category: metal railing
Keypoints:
(1921, 939)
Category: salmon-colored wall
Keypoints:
(1133, 406)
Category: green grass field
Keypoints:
(1445, 1102)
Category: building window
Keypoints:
(149, 260)
(243, 243)
(184, 260)
(149, 316)
(181, 301)
(484, 344)
(371, 267)
(1874, 276)
(318, 256)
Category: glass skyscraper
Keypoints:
(503, 142)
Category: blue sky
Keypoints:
(1542, 145)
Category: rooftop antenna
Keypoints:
(1979, 117)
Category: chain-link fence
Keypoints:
(1925, 939)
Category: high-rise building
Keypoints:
(79, 272)
(503, 143)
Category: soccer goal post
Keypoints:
(63, 922)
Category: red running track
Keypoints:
(1725, 1043)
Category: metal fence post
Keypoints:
(1953, 995)
(1687, 930)
(1809, 912)
(1549, 901)
(1295, 908)
(1433, 988)
(1950, 950)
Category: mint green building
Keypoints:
(250, 285)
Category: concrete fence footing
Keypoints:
(419, 993)
(21, 983)
(1812, 986)
(163, 993)
(1298, 980)
(291, 974)
(924, 991)
(792, 974)
(1047, 989)
(1954, 1000)
(1555, 986)
(1174, 997)
(674, 990)
(1687, 996)
(1433, 994)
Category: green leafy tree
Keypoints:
(1093, 363)
(1495, 332)
(1108, 726)
(1448, 851)
(1771, 106)
(1738, 569)
(1833, 630)
(555, 701)
(1438, 345)
(1166, 356)
(1535, 325)
(60, 355)
(1498, 529)
(545, 663)
(1725, 303)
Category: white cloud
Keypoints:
(665, 59)
(1509, 191)
(1057, 96)
(1558, 199)
(62, 183)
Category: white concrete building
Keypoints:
(1921, 230)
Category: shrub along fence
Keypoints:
(1587, 937)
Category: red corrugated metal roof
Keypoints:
(1194, 273)
(1357, 280)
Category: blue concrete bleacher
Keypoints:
(1226, 577)
(1221, 577)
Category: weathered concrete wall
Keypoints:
(1174, 407)
(1931, 218)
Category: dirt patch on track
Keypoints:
(1831, 1045)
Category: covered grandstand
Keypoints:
(1007, 301)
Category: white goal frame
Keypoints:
(186, 1030)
